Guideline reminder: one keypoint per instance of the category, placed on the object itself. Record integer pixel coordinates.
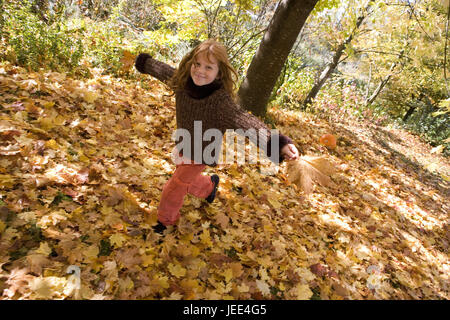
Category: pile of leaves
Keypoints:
(82, 168)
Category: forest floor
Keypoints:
(83, 164)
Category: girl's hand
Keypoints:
(290, 152)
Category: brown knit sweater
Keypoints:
(215, 108)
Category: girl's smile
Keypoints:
(204, 70)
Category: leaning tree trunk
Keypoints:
(409, 113)
(272, 53)
(325, 74)
(383, 82)
(380, 87)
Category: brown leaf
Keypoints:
(219, 259)
(340, 290)
(9, 134)
(307, 170)
(222, 219)
(319, 269)
(37, 262)
(129, 257)
(293, 276)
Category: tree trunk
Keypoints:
(383, 82)
(272, 53)
(329, 69)
(408, 113)
(380, 87)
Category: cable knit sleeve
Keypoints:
(144, 63)
(232, 116)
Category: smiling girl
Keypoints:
(205, 86)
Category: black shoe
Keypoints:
(215, 180)
(159, 228)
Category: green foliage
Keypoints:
(105, 44)
(71, 43)
(295, 83)
(433, 129)
(326, 4)
(105, 248)
(32, 43)
(445, 106)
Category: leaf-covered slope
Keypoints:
(82, 168)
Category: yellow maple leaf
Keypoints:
(193, 215)
(89, 96)
(46, 123)
(127, 60)
(177, 270)
(274, 202)
(228, 274)
(243, 288)
(307, 170)
(147, 260)
(52, 144)
(117, 240)
(189, 284)
(7, 181)
(305, 274)
(44, 249)
(48, 104)
(91, 252)
(163, 281)
(349, 157)
(82, 157)
(97, 266)
(195, 251)
(206, 238)
(303, 292)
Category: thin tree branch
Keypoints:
(245, 43)
(445, 50)
(417, 19)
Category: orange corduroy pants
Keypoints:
(187, 178)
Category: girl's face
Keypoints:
(204, 70)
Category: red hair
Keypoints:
(210, 47)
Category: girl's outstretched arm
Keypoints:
(232, 116)
(146, 64)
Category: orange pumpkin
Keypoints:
(328, 140)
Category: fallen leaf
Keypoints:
(177, 270)
(263, 287)
(117, 240)
(303, 292)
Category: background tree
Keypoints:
(370, 99)
(272, 53)
(324, 74)
(413, 40)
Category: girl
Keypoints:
(204, 86)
